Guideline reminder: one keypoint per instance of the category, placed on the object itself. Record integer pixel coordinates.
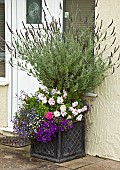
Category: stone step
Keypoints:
(9, 138)
(7, 131)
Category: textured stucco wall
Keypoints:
(103, 122)
(3, 106)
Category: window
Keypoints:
(2, 37)
(33, 11)
(80, 12)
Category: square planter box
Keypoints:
(66, 146)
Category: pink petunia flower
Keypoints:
(51, 101)
(49, 115)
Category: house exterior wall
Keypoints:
(3, 106)
(103, 129)
(103, 122)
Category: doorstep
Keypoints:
(7, 131)
(9, 138)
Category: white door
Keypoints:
(19, 80)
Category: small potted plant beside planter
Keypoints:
(53, 123)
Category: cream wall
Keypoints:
(103, 122)
(3, 106)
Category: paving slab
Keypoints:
(20, 159)
(102, 165)
(81, 162)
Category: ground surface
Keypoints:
(12, 158)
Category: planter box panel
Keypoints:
(73, 140)
(45, 149)
(66, 146)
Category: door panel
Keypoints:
(19, 79)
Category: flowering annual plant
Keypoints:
(41, 115)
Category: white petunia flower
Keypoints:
(44, 100)
(79, 110)
(85, 108)
(54, 91)
(75, 104)
(60, 100)
(64, 94)
(71, 109)
(63, 108)
(75, 112)
(44, 88)
(79, 118)
(63, 114)
(41, 96)
(58, 92)
(24, 96)
(56, 113)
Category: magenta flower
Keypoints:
(49, 115)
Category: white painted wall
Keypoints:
(103, 123)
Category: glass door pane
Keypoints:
(34, 11)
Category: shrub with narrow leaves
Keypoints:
(73, 61)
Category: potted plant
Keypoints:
(53, 123)
(68, 66)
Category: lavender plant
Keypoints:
(71, 61)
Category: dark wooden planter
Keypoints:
(68, 145)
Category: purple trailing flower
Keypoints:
(65, 124)
(49, 128)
